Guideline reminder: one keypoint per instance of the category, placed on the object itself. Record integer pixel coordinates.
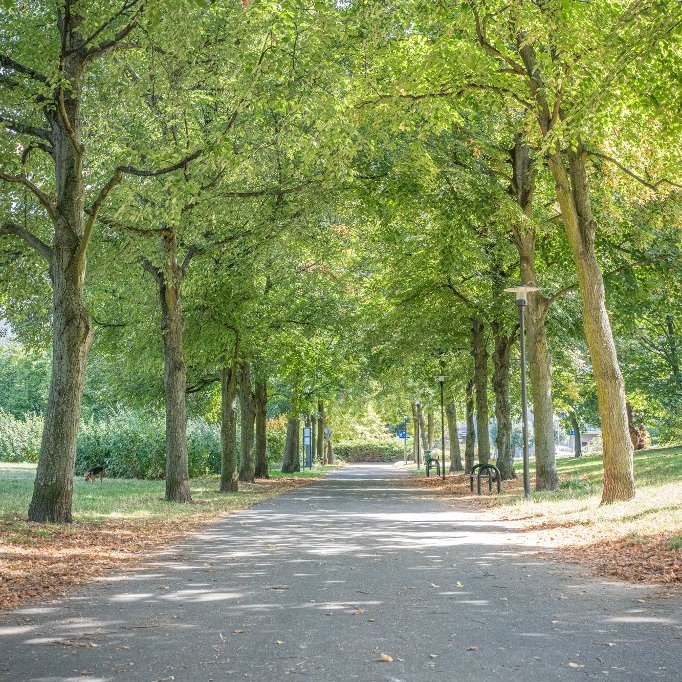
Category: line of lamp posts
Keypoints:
(521, 298)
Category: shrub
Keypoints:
(369, 451)
(132, 445)
(20, 438)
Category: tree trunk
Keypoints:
(228, 430)
(522, 190)
(429, 428)
(313, 435)
(71, 324)
(174, 374)
(290, 457)
(261, 399)
(480, 352)
(415, 431)
(422, 428)
(455, 454)
(470, 442)
(503, 441)
(296, 453)
(330, 449)
(572, 191)
(321, 425)
(577, 437)
(71, 340)
(248, 415)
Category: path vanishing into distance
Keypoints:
(317, 584)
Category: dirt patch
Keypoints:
(38, 561)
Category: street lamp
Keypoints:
(441, 381)
(521, 293)
(418, 406)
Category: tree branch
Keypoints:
(94, 211)
(116, 42)
(9, 63)
(44, 199)
(143, 173)
(192, 251)
(24, 129)
(653, 186)
(155, 272)
(32, 240)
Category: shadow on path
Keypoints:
(321, 581)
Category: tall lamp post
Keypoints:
(441, 381)
(521, 294)
(418, 405)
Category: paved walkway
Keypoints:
(319, 583)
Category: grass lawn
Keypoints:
(116, 522)
(638, 540)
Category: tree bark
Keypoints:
(248, 415)
(228, 430)
(261, 403)
(455, 453)
(71, 325)
(480, 352)
(174, 374)
(429, 428)
(522, 190)
(572, 191)
(503, 441)
(577, 437)
(321, 425)
(470, 442)
(415, 431)
(313, 435)
(290, 459)
(422, 428)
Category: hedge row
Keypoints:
(131, 443)
(369, 451)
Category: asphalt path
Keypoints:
(360, 576)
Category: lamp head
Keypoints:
(440, 379)
(521, 292)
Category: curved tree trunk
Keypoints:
(573, 194)
(248, 415)
(228, 430)
(321, 425)
(503, 441)
(261, 398)
(455, 453)
(480, 352)
(415, 431)
(470, 442)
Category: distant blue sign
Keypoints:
(571, 432)
(402, 433)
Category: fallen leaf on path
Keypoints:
(471, 648)
(279, 641)
(573, 664)
(385, 658)
(358, 612)
(459, 584)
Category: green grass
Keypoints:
(582, 476)
(135, 499)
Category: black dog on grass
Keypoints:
(92, 473)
